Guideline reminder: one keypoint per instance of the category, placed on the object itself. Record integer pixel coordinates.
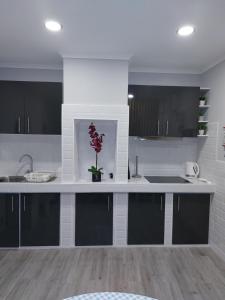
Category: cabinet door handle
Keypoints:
(24, 203)
(108, 204)
(12, 200)
(178, 204)
(161, 204)
(19, 124)
(167, 127)
(158, 126)
(28, 124)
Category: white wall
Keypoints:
(211, 153)
(158, 157)
(20, 74)
(45, 150)
(164, 79)
(215, 79)
(96, 82)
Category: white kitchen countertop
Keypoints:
(133, 185)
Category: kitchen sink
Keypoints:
(12, 179)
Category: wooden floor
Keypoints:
(162, 273)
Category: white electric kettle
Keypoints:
(192, 169)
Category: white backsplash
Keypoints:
(45, 150)
(158, 157)
(155, 156)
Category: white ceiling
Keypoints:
(143, 31)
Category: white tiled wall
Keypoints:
(214, 170)
(157, 157)
(73, 112)
(120, 219)
(45, 150)
(67, 220)
(168, 227)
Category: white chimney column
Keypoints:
(95, 81)
(94, 89)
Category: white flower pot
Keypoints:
(201, 118)
(202, 103)
(201, 132)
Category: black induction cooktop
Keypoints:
(166, 179)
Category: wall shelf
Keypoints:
(204, 89)
(204, 106)
(203, 112)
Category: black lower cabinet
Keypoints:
(146, 218)
(40, 215)
(191, 218)
(94, 219)
(9, 220)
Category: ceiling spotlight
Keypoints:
(130, 96)
(185, 30)
(53, 25)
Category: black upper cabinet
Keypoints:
(40, 215)
(145, 111)
(191, 218)
(30, 107)
(43, 108)
(146, 218)
(9, 220)
(94, 219)
(163, 111)
(11, 107)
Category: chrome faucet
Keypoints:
(31, 169)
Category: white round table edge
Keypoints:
(109, 296)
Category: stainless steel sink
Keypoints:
(12, 179)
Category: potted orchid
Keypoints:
(96, 143)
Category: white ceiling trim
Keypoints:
(30, 66)
(163, 71)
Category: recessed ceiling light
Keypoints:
(185, 30)
(130, 96)
(53, 25)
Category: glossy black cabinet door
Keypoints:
(9, 220)
(191, 218)
(11, 107)
(161, 111)
(43, 102)
(94, 219)
(30, 107)
(40, 215)
(180, 111)
(145, 111)
(146, 214)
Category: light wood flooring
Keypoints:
(162, 273)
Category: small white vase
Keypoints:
(202, 103)
(201, 118)
(201, 132)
